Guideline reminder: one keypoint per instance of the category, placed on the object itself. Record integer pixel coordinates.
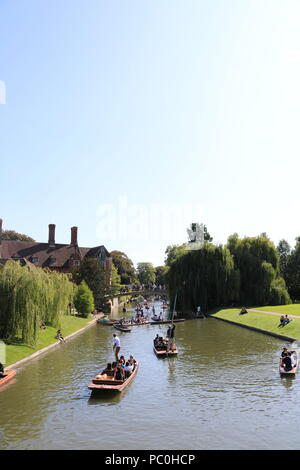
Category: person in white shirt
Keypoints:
(116, 346)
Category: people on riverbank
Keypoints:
(60, 336)
(243, 311)
(284, 320)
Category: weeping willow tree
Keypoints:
(29, 295)
(257, 261)
(204, 277)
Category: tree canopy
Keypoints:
(12, 235)
(146, 273)
(83, 299)
(125, 267)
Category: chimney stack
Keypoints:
(51, 239)
(74, 241)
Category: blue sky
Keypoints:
(130, 119)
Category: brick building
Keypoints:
(52, 255)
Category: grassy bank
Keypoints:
(290, 309)
(69, 324)
(263, 321)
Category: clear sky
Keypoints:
(133, 118)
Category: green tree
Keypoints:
(29, 295)
(146, 273)
(292, 272)
(115, 281)
(204, 277)
(284, 251)
(257, 262)
(83, 299)
(97, 278)
(173, 252)
(125, 267)
(160, 272)
(12, 235)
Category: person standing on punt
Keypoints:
(287, 362)
(116, 346)
(170, 336)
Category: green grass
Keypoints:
(290, 309)
(69, 324)
(262, 321)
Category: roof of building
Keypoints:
(47, 255)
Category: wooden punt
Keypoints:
(162, 322)
(9, 374)
(293, 371)
(123, 328)
(136, 323)
(107, 322)
(109, 383)
(165, 353)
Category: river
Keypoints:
(223, 391)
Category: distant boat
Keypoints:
(110, 384)
(162, 322)
(104, 321)
(8, 375)
(292, 371)
(122, 328)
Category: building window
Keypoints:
(52, 260)
(76, 262)
(34, 259)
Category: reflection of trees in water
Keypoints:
(46, 383)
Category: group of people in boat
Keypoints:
(157, 318)
(165, 344)
(287, 360)
(284, 320)
(119, 370)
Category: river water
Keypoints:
(223, 391)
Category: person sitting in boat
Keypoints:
(287, 362)
(284, 352)
(1, 371)
(122, 360)
(127, 369)
(156, 339)
(131, 360)
(109, 371)
(119, 373)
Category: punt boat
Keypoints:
(123, 328)
(292, 371)
(164, 352)
(8, 375)
(107, 383)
